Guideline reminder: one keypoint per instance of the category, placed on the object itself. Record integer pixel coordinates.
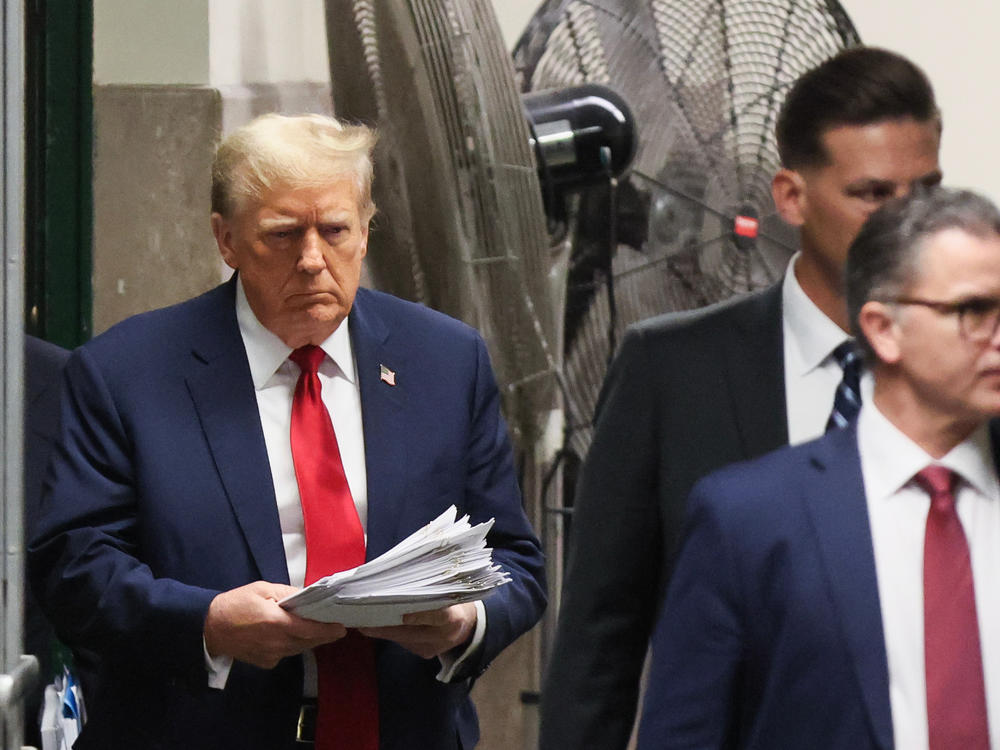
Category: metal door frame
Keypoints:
(19, 671)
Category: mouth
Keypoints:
(311, 294)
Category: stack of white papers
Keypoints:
(446, 562)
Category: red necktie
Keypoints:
(956, 696)
(347, 705)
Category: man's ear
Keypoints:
(880, 329)
(788, 188)
(224, 239)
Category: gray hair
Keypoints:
(883, 261)
(299, 151)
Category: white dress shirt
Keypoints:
(274, 378)
(811, 372)
(897, 511)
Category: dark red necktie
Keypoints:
(347, 705)
(956, 696)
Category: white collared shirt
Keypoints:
(811, 372)
(897, 511)
(274, 378)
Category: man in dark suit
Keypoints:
(43, 364)
(841, 593)
(691, 392)
(173, 522)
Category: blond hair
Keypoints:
(298, 151)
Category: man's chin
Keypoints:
(311, 325)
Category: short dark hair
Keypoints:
(883, 261)
(857, 86)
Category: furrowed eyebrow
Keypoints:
(931, 178)
(335, 218)
(270, 224)
(868, 184)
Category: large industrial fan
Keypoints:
(461, 225)
(694, 221)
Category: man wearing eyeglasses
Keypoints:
(842, 593)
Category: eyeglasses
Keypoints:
(978, 317)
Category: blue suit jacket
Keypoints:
(771, 633)
(43, 364)
(160, 496)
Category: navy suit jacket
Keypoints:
(771, 633)
(43, 364)
(160, 496)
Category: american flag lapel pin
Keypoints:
(386, 375)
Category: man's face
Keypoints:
(298, 251)
(867, 166)
(938, 370)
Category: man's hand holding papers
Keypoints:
(443, 564)
(246, 623)
(433, 633)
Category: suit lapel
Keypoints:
(835, 499)
(756, 374)
(381, 413)
(218, 379)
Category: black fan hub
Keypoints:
(581, 134)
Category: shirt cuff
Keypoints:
(451, 662)
(217, 667)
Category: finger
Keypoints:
(432, 617)
(321, 632)
(276, 591)
(387, 632)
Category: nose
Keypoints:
(311, 259)
(994, 340)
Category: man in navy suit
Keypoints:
(811, 605)
(172, 523)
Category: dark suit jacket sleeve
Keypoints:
(613, 578)
(699, 640)
(492, 492)
(688, 393)
(84, 562)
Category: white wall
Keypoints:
(513, 16)
(151, 41)
(267, 41)
(955, 43)
(216, 42)
(235, 42)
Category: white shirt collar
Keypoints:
(266, 352)
(809, 330)
(891, 459)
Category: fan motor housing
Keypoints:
(581, 135)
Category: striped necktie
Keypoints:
(847, 398)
